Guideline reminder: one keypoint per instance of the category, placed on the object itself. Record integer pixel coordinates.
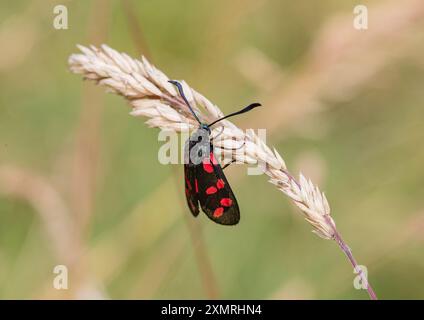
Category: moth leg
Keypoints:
(242, 145)
(232, 161)
(213, 138)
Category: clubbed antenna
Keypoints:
(248, 108)
(181, 91)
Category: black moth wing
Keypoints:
(191, 188)
(214, 192)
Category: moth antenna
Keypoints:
(181, 91)
(245, 109)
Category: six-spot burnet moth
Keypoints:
(205, 182)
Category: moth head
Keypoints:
(205, 127)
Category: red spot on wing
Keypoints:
(226, 202)
(207, 167)
(211, 190)
(188, 183)
(213, 160)
(220, 184)
(218, 212)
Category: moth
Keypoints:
(205, 181)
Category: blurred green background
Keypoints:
(80, 183)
